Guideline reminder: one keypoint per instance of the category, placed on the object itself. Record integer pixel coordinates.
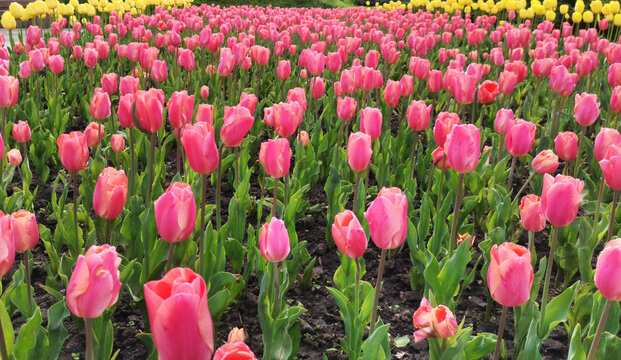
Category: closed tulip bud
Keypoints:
(14, 156)
(561, 81)
(463, 237)
(9, 91)
(520, 137)
(560, 199)
(298, 95)
(434, 81)
(318, 87)
(277, 157)
(443, 126)
(237, 123)
(236, 335)
(510, 274)
(392, 93)
(611, 166)
(25, 230)
(546, 162)
(204, 91)
(566, 145)
(608, 270)
(249, 101)
(94, 133)
(418, 115)
(21, 132)
(178, 309)
(349, 235)
(109, 83)
(274, 241)
(346, 108)
(94, 285)
(24, 70)
(531, 214)
(125, 111)
(438, 322)
(159, 70)
(303, 138)
(234, 351)
(407, 85)
(286, 118)
(387, 218)
(149, 108)
(603, 140)
(56, 64)
(507, 82)
(73, 150)
(371, 122)
(129, 85)
(7, 243)
(117, 142)
(283, 69)
(463, 148)
(204, 113)
(586, 109)
(110, 193)
(180, 109)
(487, 92)
(359, 151)
(175, 213)
(504, 120)
(100, 105)
(200, 147)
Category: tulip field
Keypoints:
(425, 180)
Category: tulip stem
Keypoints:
(546, 283)
(150, 173)
(356, 188)
(201, 236)
(179, 153)
(511, 171)
(578, 158)
(439, 199)
(600, 329)
(453, 239)
(275, 198)
(357, 286)
(413, 154)
(276, 291)
(378, 288)
(3, 111)
(517, 196)
(109, 223)
(219, 188)
(132, 173)
(28, 282)
(611, 224)
(74, 174)
(171, 255)
(501, 329)
(531, 238)
(89, 339)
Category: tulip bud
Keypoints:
(566, 145)
(25, 230)
(387, 218)
(110, 193)
(117, 142)
(546, 162)
(418, 115)
(204, 91)
(200, 147)
(520, 137)
(73, 150)
(277, 157)
(608, 270)
(237, 123)
(14, 156)
(438, 322)
(560, 199)
(303, 138)
(463, 148)
(349, 235)
(274, 241)
(531, 214)
(100, 105)
(359, 151)
(371, 122)
(180, 109)
(175, 213)
(510, 274)
(21, 132)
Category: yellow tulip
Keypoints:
(8, 21)
(596, 6)
(587, 16)
(579, 7)
(617, 20)
(51, 4)
(610, 18)
(576, 17)
(74, 3)
(539, 10)
(563, 9)
(615, 7)
(550, 15)
(39, 7)
(549, 4)
(17, 10)
(606, 9)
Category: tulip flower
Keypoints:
(546, 162)
(234, 351)
(509, 279)
(359, 151)
(349, 235)
(7, 243)
(277, 157)
(346, 108)
(443, 126)
(392, 93)
(297, 95)
(434, 81)
(117, 142)
(283, 69)
(14, 157)
(520, 137)
(73, 151)
(129, 85)
(21, 131)
(249, 101)
(463, 148)
(371, 122)
(94, 133)
(179, 316)
(109, 83)
(487, 92)
(303, 138)
(566, 145)
(274, 241)
(25, 230)
(110, 194)
(237, 122)
(586, 109)
(438, 322)
(560, 199)
(200, 147)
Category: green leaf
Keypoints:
(7, 328)
(576, 350)
(402, 341)
(558, 309)
(26, 338)
(372, 348)
(480, 346)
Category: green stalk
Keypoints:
(132, 172)
(276, 291)
(3, 349)
(90, 353)
(580, 145)
(150, 173)
(611, 224)
(510, 182)
(600, 329)
(28, 282)
(501, 329)
(201, 236)
(275, 198)
(453, 238)
(413, 158)
(109, 223)
(355, 204)
(357, 286)
(171, 255)
(546, 284)
(378, 288)
(531, 238)
(74, 174)
(218, 189)
(517, 196)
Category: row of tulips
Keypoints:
(344, 106)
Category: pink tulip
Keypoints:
(418, 115)
(277, 157)
(586, 109)
(611, 166)
(179, 316)
(520, 137)
(149, 108)
(90, 57)
(546, 162)
(464, 89)
(443, 126)
(560, 199)
(603, 140)
(608, 271)
(110, 193)
(349, 235)
(303, 138)
(24, 70)
(73, 150)
(346, 108)
(504, 120)
(237, 123)
(56, 64)
(286, 118)
(180, 109)
(129, 85)
(561, 81)
(117, 142)
(359, 151)
(387, 218)
(371, 122)
(274, 241)
(297, 95)
(234, 351)
(14, 156)
(21, 132)
(463, 148)
(94, 133)
(392, 93)
(204, 91)
(439, 159)
(175, 213)
(25, 230)
(94, 285)
(249, 101)
(434, 81)
(531, 214)
(100, 105)
(438, 322)
(566, 145)
(9, 91)
(7, 243)
(510, 274)
(507, 81)
(487, 92)
(159, 70)
(204, 113)
(283, 70)
(318, 87)
(109, 83)
(125, 110)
